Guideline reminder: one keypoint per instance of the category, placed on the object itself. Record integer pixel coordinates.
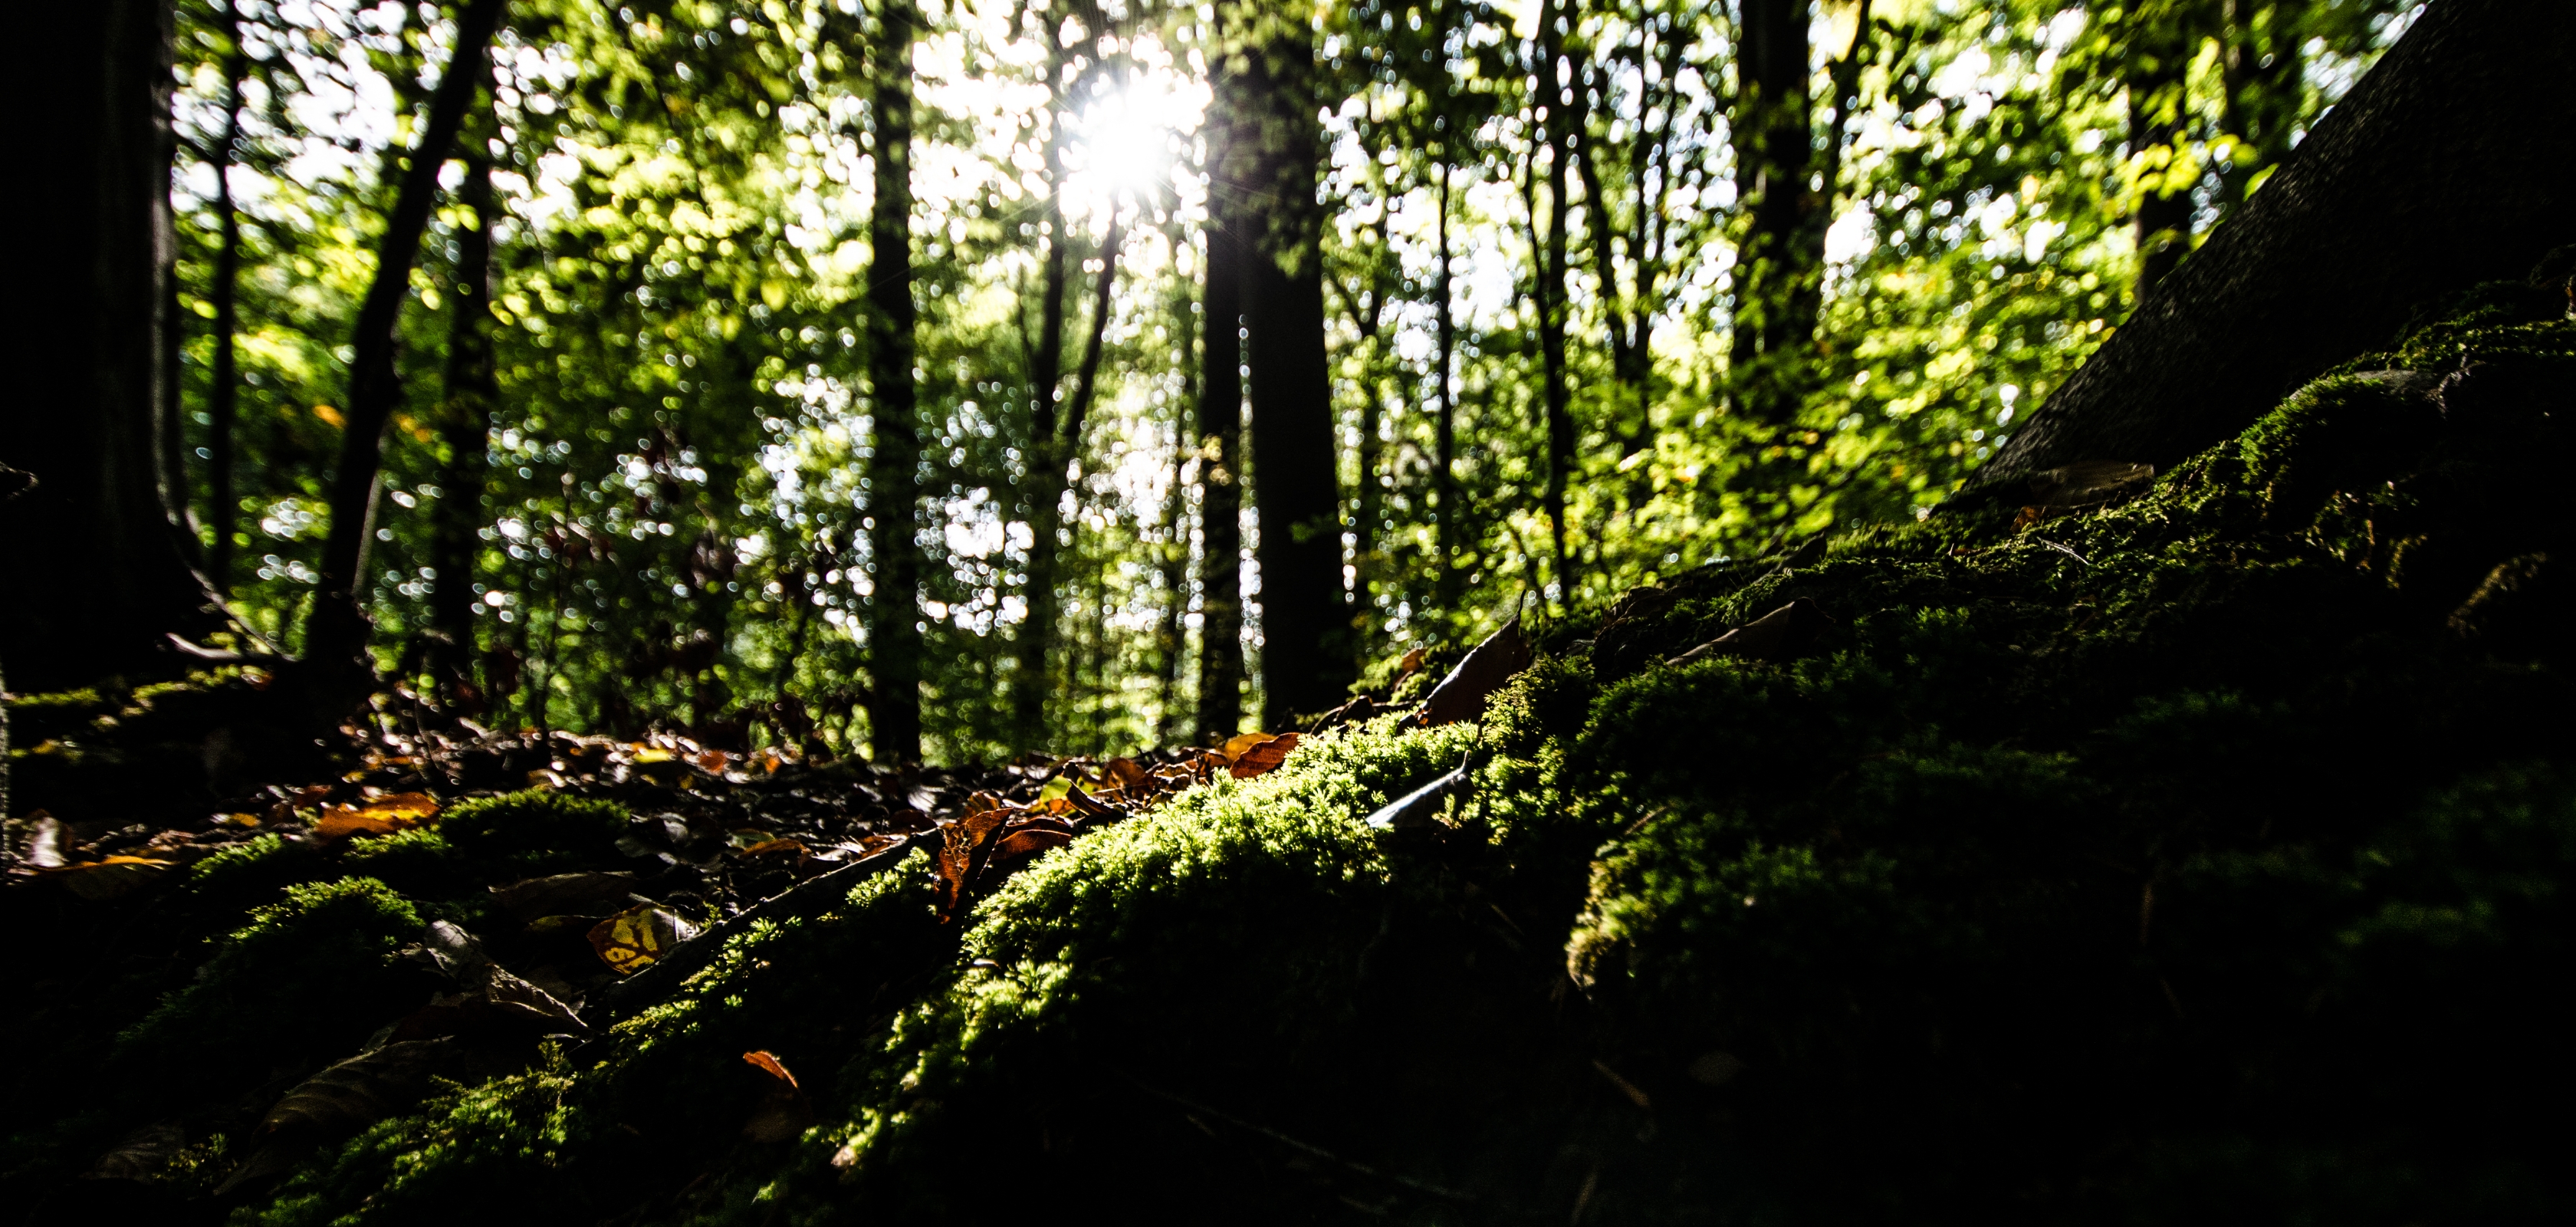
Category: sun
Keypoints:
(1124, 140)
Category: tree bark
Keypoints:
(465, 427)
(1220, 431)
(894, 469)
(1548, 282)
(1444, 425)
(94, 535)
(1779, 275)
(1306, 659)
(223, 391)
(336, 632)
(1170, 638)
(2159, 52)
(2452, 162)
(1042, 493)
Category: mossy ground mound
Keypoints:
(2203, 855)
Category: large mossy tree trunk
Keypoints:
(97, 565)
(2452, 162)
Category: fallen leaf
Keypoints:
(630, 940)
(1464, 693)
(964, 846)
(1263, 758)
(775, 847)
(768, 1063)
(1410, 664)
(783, 1112)
(113, 878)
(383, 816)
(564, 893)
(1032, 839)
(342, 1100)
(1126, 773)
(1236, 745)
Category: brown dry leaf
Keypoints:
(1463, 694)
(1126, 773)
(774, 847)
(768, 1063)
(783, 1113)
(564, 894)
(383, 816)
(1263, 758)
(1412, 662)
(964, 846)
(342, 1100)
(631, 940)
(113, 878)
(1236, 745)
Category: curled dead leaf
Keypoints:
(2086, 482)
(783, 1113)
(1261, 758)
(1469, 687)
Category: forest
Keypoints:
(1607, 610)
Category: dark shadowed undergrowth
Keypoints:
(2201, 855)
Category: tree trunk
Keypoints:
(1549, 281)
(894, 470)
(1779, 274)
(1042, 494)
(336, 632)
(1444, 425)
(94, 535)
(2159, 53)
(1170, 638)
(223, 391)
(1220, 430)
(465, 427)
(1306, 659)
(2452, 162)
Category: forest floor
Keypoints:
(2193, 844)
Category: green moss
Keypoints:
(537, 823)
(2168, 859)
(306, 980)
(418, 862)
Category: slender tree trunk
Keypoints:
(894, 471)
(1778, 275)
(92, 363)
(223, 392)
(2159, 54)
(1306, 659)
(336, 631)
(465, 424)
(1043, 484)
(1444, 424)
(1170, 638)
(1220, 431)
(1549, 287)
(2264, 74)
